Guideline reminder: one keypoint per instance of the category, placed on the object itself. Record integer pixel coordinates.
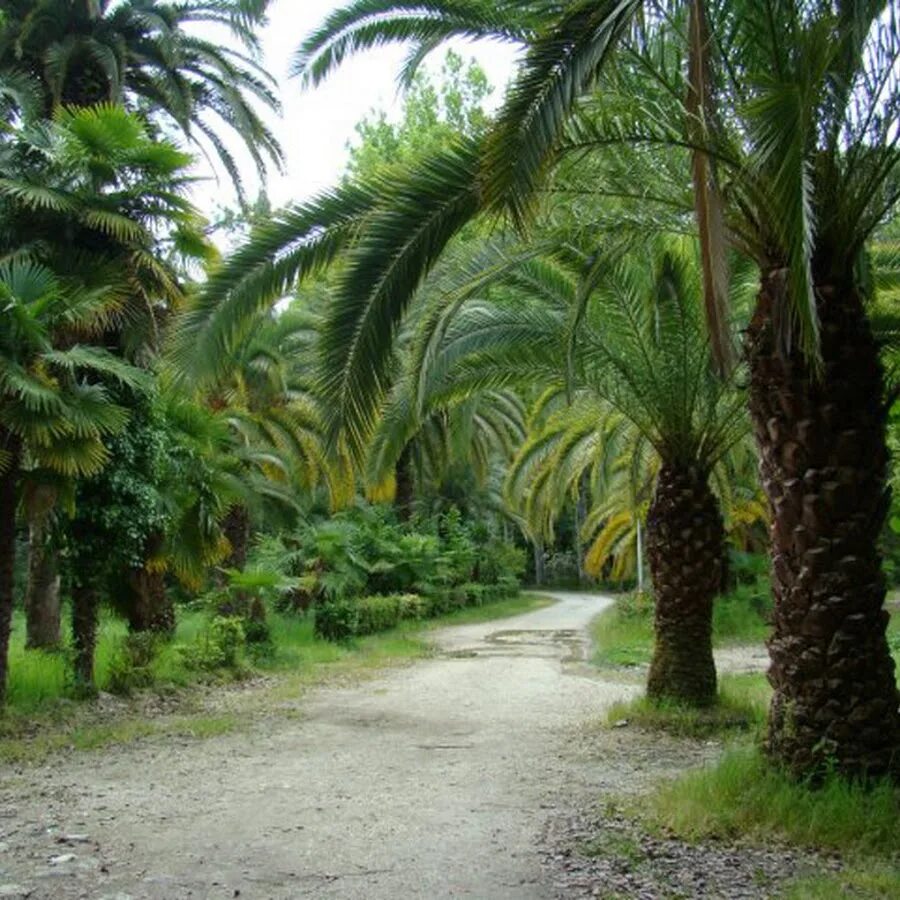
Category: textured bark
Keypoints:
(8, 480)
(151, 607)
(538, 548)
(404, 493)
(42, 610)
(42, 606)
(685, 549)
(237, 529)
(84, 634)
(823, 465)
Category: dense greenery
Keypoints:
(498, 337)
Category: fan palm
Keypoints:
(54, 413)
(152, 56)
(93, 200)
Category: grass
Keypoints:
(869, 879)
(42, 718)
(743, 700)
(743, 796)
(623, 635)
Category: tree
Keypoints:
(149, 55)
(92, 200)
(796, 175)
(51, 414)
(639, 381)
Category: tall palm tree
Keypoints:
(639, 377)
(796, 175)
(171, 62)
(52, 413)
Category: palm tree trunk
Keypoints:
(42, 612)
(823, 464)
(237, 529)
(685, 549)
(84, 634)
(151, 607)
(42, 606)
(538, 548)
(404, 494)
(85, 569)
(8, 478)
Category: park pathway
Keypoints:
(432, 780)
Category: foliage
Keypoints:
(740, 707)
(131, 667)
(218, 646)
(742, 796)
(150, 57)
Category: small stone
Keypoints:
(62, 859)
(72, 839)
(621, 723)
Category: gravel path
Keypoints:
(454, 777)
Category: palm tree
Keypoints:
(91, 198)
(151, 56)
(639, 378)
(796, 175)
(51, 414)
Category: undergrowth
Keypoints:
(741, 707)
(741, 795)
(623, 635)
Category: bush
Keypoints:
(499, 560)
(377, 613)
(218, 646)
(131, 666)
(336, 620)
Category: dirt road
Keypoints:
(434, 780)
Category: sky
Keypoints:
(317, 123)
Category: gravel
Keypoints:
(481, 772)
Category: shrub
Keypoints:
(377, 613)
(218, 646)
(474, 593)
(336, 620)
(500, 560)
(413, 606)
(131, 666)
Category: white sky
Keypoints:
(317, 123)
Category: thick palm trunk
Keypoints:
(823, 464)
(151, 607)
(404, 493)
(42, 611)
(8, 478)
(84, 635)
(685, 548)
(237, 529)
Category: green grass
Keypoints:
(503, 609)
(741, 707)
(742, 796)
(623, 635)
(869, 879)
